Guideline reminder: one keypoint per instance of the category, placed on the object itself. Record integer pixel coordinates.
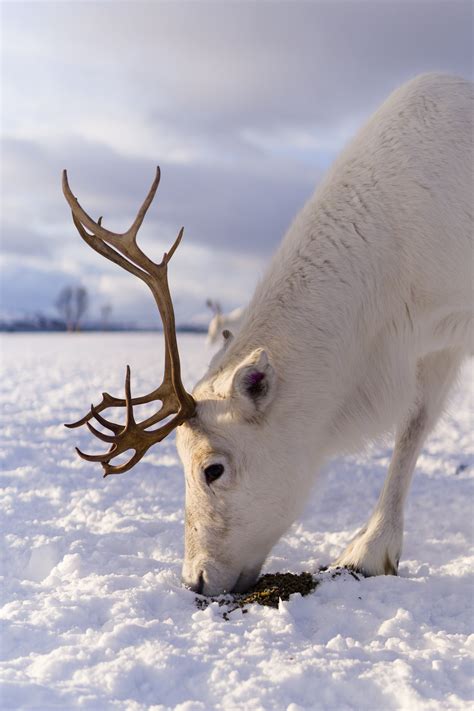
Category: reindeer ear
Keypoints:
(253, 384)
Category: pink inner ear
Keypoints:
(255, 377)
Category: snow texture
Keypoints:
(93, 613)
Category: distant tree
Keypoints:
(63, 304)
(72, 303)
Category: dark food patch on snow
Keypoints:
(271, 588)
(268, 590)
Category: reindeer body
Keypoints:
(358, 328)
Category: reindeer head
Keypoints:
(239, 497)
(238, 492)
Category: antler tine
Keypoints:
(105, 423)
(167, 255)
(96, 227)
(98, 457)
(145, 205)
(121, 468)
(100, 435)
(122, 249)
(128, 400)
(80, 214)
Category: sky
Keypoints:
(244, 105)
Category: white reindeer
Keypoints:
(221, 324)
(359, 326)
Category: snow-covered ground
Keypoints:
(93, 613)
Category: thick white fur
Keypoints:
(221, 322)
(358, 329)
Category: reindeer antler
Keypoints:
(124, 251)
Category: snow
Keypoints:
(93, 614)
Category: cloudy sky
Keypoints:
(242, 104)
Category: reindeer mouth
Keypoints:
(243, 582)
(246, 579)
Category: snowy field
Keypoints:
(93, 614)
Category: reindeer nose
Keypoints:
(198, 586)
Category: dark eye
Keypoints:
(213, 472)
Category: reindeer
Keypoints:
(358, 328)
(221, 324)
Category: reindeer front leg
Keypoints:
(376, 549)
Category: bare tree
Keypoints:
(64, 306)
(72, 303)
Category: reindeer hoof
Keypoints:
(372, 553)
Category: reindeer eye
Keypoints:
(213, 472)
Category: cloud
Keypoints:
(230, 207)
(22, 240)
(246, 62)
(244, 105)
